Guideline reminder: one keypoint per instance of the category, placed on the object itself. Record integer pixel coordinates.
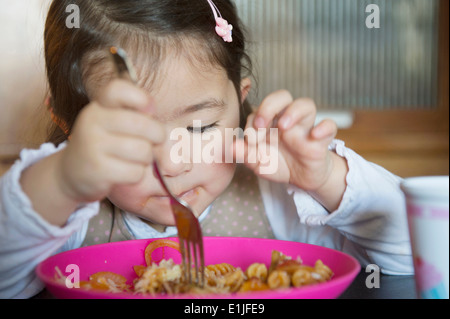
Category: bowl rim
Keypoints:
(343, 279)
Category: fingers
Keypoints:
(325, 130)
(127, 122)
(296, 123)
(123, 172)
(131, 149)
(257, 149)
(281, 111)
(243, 152)
(124, 94)
(112, 140)
(270, 107)
(126, 109)
(300, 112)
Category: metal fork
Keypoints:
(189, 234)
(189, 231)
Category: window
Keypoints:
(323, 49)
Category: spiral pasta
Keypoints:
(166, 277)
(234, 280)
(224, 276)
(163, 278)
(220, 269)
(278, 279)
(302, 277)
(323, 271)
(257, 270)
(284, 272)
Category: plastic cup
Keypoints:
(427, 201)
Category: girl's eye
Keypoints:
(202, 129)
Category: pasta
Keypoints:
(257, 270)
(166, 277)
(224, 277)
(219, 269)
(278, 279)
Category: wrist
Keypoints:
(65, 191)
(40, 182)
(331, 192)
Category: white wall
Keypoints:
(22, 75)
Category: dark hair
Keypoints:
(154, 24)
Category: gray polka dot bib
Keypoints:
(239, 211)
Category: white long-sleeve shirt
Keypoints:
(370, 223)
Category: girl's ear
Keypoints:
(246, 85)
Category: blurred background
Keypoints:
(386, 87)
(23, 118)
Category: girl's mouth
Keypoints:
(188, 196)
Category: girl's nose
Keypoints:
(172, 161)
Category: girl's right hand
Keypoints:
(111, 143)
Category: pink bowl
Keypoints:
(120, 257)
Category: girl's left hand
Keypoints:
(302, 154)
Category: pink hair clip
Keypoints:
(223, 28)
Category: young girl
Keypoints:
(94, 182)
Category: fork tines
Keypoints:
(194, 270)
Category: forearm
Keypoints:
(26, 238)
(331, 192)
(41, 182)
(371, 214)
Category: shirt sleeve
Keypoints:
(371, 218)
(26, 238)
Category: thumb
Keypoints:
(245, 153)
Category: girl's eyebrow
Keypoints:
(210, 104)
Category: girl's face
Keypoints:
(182, 95)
